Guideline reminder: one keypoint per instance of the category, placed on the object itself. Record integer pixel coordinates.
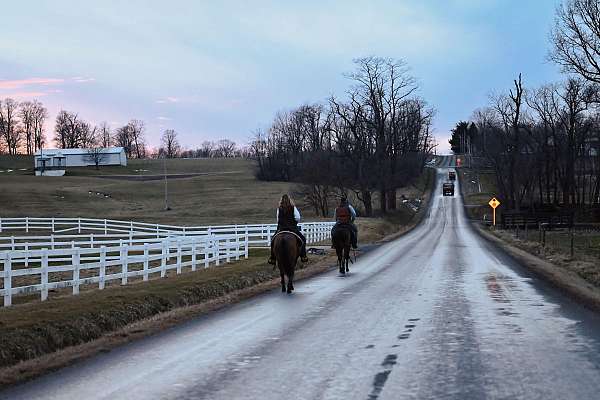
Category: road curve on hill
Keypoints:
(438, 313)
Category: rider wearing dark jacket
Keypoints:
(288, 217)
(345, 216)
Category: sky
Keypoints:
(222, 69)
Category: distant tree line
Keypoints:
(375, 140)
(21, 126)
(544, 142)
(22, 132)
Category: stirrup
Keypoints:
(304, 259)
(271, 261)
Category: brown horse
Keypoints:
(287, 251)
(341, 238)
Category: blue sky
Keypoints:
(223, 68)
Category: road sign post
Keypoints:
(494, 203)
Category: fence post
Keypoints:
(27, 224)
(163, 261)
(44, 276)
(12, 243)
(205, 253)
(146, 256)
(52, 225)
(102, 273)
(75, 261)
(0, 224)
(237, 245)
(92, 240)
(79, 225)
(228, 249)
(544, 237)
(26, 254)
(193, 254)
(218, 252)
(123, 255)
(105, 227)
(178, 255)
(246, 244)
(572, 242)
(7, 280)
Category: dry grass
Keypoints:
(234, 197)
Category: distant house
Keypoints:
(54, 161)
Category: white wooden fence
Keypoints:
(121, 251)
(88, 230)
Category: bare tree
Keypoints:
(40, 114)
(170, 144)
(96, 155)
(576, 38)
(105, 135)
(10, 131)
(225, 148)
(131, 138)
(27, 114)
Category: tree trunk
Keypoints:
(367, 202)
(382, 201)
(391, 199)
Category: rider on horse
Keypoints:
(344, 217)
(288, 217)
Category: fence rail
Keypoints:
(88, 229)
(107, 250)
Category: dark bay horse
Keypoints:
(287, 251)
(341, 238)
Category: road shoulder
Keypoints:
(567, 281)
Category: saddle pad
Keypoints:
(293, 233)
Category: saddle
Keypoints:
(293, 233)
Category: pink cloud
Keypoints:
(21, 83)
(82, 79)
(26, 95)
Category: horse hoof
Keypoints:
(283, 289)
(289, 291)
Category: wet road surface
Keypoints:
(439, 313)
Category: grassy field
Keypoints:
(228, 194)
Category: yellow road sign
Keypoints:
(494, 203)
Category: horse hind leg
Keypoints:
(290, 285)
(282, 281)
(347, 258)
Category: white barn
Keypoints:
(55, 161)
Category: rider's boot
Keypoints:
(303, 254)
(272, 258)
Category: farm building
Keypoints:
(55, 161)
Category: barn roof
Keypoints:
(64, 152)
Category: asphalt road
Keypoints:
(436, 314)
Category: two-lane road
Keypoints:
(438, 313)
